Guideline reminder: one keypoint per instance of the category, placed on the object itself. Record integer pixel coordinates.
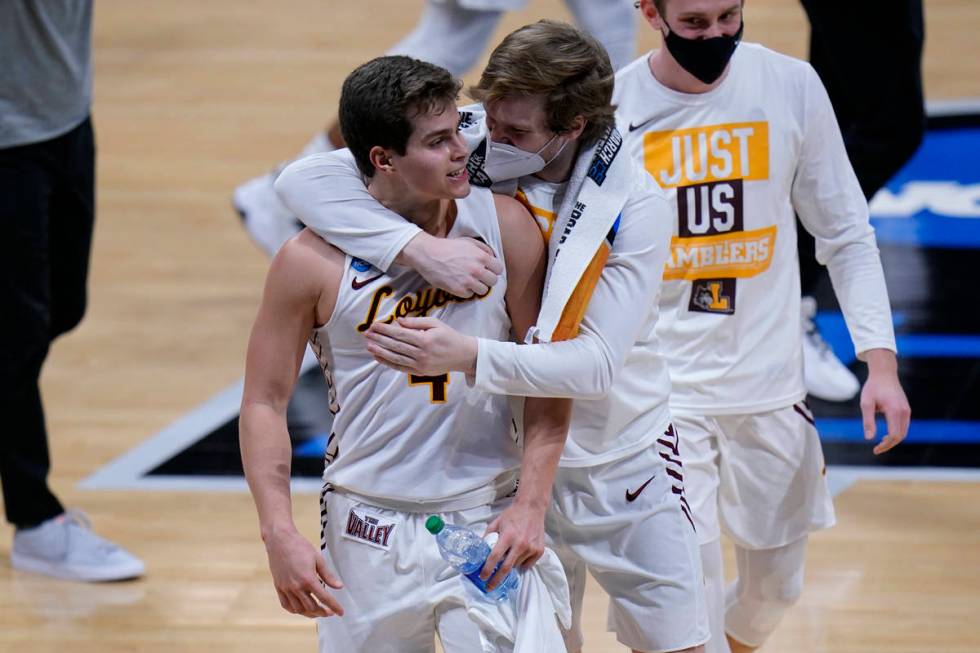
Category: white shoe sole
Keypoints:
(125, 571)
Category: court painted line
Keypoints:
(841, 477)
(921, 431)
(130, 470)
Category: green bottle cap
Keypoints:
(434, 524)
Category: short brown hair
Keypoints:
(380, 98)
(568, 67)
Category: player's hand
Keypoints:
(422, 345)
(461, 266)
(882, 393)
(520, 541)
(300, 576)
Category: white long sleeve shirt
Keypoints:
(613, 368)
(737, 163)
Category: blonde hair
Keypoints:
(566, 66)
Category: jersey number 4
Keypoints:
(437, 386)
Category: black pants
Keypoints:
(47, 211)
(869, 56)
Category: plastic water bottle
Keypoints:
(466, 551)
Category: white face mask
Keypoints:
(504, 162)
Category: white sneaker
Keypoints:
(266, 219)
(65, 547)
(825, 376)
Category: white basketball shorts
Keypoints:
(761, 477)
(398, 592)
(627, 522)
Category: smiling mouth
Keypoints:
(458, 174)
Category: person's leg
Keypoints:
(769, 582)
(628, 520)
(48, 288)
(702, 458)
(446, 34)
(389, 594)
(449, 35)
(774, 493)
(612, 22)
(26, 187)
(874, 80)
(714, 591)
(72, 224)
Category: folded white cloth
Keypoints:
(531, 622)
(588, 219)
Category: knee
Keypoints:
(782, 592)
(775, 592)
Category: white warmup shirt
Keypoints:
(736, 163)
(613, 368)
(406, 437)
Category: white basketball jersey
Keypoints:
(403, 436)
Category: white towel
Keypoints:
(588, 219)
(532, 621)
(582, 238)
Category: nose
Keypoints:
(459, 149)
(713, 31)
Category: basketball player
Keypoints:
(767, 145)
(741, 137)
(452, 34)
(403, 446)
(618, 508)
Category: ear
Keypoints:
(381, 159)
(578, 126)
(651, 15)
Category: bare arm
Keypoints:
(293, 301)
(546, 420)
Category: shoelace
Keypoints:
(78, 518)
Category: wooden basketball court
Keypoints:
(192, 98)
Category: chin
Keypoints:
(460, 193)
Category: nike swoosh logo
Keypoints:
(357, 284)
(631, 496)
(637, 126)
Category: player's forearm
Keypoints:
(582, 368)
(266, 459)
(545, 430)
(859, 283)
(327, 194)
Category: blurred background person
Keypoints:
(47, 209)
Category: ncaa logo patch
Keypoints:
(369, 529)
(359, 265)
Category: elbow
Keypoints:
(602, 377)
(285, 185)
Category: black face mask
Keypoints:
(704, 58)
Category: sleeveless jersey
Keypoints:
(407, 437)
